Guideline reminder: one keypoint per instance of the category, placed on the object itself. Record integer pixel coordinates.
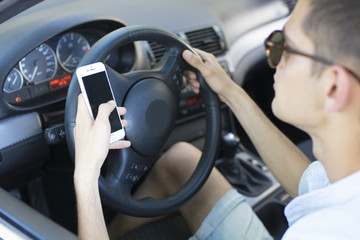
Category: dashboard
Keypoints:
(42, 45)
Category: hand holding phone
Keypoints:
(95, 86)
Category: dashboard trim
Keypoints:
(19, 128)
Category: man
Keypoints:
(317, 59)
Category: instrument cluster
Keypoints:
(44, 74)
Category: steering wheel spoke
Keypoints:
(172, 67)
(169, 69)
(126, 166)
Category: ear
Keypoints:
(337, 89)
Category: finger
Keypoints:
(120, 144)
(204, 55)
(104, 111)
(124, 122)
(195, 89)
(194, 83)
(190, 75)
(83, 115)
(193, 60)
(191, 78)
(206, 58)
(121, 111)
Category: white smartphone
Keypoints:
(95, 86)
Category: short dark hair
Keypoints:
(334, 27)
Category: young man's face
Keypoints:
(297, 96)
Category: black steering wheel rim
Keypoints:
(120, 199)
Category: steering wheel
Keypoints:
(151, 99)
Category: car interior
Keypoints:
(43, 42)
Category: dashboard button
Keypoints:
(131, 177)
(55, 134)
(139, 167)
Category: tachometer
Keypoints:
(70, 49)
(39, 65)
(13, 82)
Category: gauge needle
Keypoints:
(68, 59)
(13, 83)
(34, 72)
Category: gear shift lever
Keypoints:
(246, 178)
(230, 167)
(230, 144)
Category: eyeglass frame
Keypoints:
(269, 44)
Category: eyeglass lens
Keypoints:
(274, 48)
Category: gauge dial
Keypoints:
(14, 81)
(70, 49)
(39, 65)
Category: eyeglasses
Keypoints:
(275, 46)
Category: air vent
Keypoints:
(207, 39)
(157, 49)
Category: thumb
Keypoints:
(194, 60)
(104, 111)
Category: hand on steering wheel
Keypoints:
(210, 69)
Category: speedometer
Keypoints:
(70, 49)
(39, 65)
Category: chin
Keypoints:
(277, 111)
(274, 109)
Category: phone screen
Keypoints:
(98, 91)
